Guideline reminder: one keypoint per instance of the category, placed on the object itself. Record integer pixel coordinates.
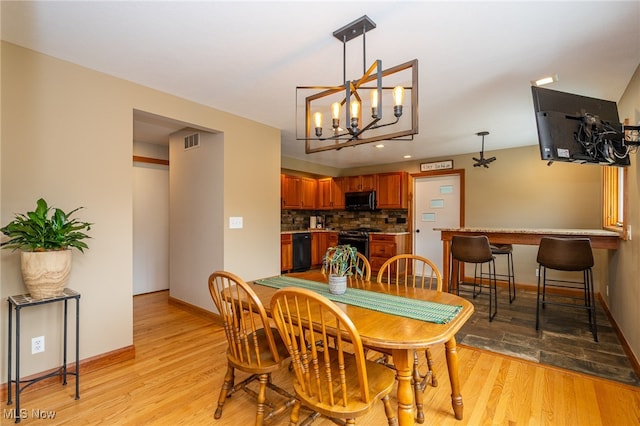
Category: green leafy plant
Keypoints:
(46, 228)
(341, 260)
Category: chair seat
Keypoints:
(501, 248)
(381, 382)
(267, 361)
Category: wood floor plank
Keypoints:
(180, 364)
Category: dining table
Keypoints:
(394, 317)
(600, 239)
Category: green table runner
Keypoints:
(438, 313)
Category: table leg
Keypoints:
(403, 362)
(446, 257)
(452, 365)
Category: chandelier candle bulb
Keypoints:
(398, 100)
(374, 104)
(355, 110)
(335, 114)
(318, 120)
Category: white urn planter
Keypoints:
(337, 284)
(45, 273)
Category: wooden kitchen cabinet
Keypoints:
(291, 191)
(286, 252)
(320, 242)
(308, 193)
(361, 183)
(330, 193)
(318, 247)
(384, 246)
(297, 192)
(392, 190)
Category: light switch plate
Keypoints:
(235, 222)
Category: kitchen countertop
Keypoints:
(336, 230)
(309, 230)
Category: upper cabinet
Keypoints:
(330, 194)
(298, 192)
(290, 192)
(392, 190)
(361, 183)
(309, 190)
(304, 193)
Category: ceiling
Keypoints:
(476, 59)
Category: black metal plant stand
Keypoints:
(17, 303)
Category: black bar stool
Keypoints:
(573, 255)
(476, 250)
(506, 250)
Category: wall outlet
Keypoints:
(37, 345)
(537, 272)
(607, 290)
(629, 232)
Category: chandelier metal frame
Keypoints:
(354, 130)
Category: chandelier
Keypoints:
(334, 117)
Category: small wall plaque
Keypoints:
(437, 165)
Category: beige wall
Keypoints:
(624, 288)
(66, 135)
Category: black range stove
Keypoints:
(358, 238)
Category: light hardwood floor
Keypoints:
(180, 363)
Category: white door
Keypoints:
(436, 205)
(150, 227)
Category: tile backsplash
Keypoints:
(385, 220)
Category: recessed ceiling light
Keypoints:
(545, 80)
(380, 145)
(407, 156)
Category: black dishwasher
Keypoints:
(301, 251)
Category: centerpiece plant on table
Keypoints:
(339, 262)
(46, 237)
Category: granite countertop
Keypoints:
(549, 231)
(309, 230)
(389, 233)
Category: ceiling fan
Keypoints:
(483, 161)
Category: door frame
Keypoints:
(411, 192)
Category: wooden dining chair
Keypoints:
(411, 270)
(329, 380)
(254, 347)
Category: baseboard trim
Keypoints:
(196, 310)
(635, 363)
(87, 365)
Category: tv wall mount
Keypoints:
(600, 139)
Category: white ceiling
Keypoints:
(476, 59)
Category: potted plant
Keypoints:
(46, 237)
(339, 262)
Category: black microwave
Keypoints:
(362, 201)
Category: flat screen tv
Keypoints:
(578, 129)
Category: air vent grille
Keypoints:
(192, 141)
